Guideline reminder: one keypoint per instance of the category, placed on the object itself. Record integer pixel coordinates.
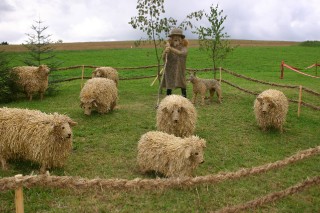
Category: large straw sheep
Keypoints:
(100, 94)
(106, 72)
(201, 86)
(176, 115)
(36, 136)
(169, 155)
(31, 79)
(270, 109)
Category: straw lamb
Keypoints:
(270, 109)
(106, 72)
(169, 155)
(36, 136)
(176, 115)
(99, 94)
(30, 79)
(201, 86)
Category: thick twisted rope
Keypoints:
(10, 183)
(272, 197)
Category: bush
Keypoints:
(6, 93)
(310, 44)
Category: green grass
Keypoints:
(105, 145)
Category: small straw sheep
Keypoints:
(169, 155)
(31, 79)
(270, 109)
(176, 115)
(100, 94)
(106, 72)
(36, 136)
(201, 86)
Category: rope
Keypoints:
(64, 182)
(273, 196)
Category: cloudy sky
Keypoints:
(107, 20)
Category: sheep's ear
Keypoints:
(203, 143)
(72, 123)
(164, 109)
(188, 152)
(94, 103)
(260, 99)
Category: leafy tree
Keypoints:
(150, 22)
(213, 39)
(5, 82)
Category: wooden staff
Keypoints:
(19, 198)
(300, 98)
(282, 69)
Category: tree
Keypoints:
(149, 22)
(213, 39)
(41, 50)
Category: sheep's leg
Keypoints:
(219, 95)
(41, 96)
(4, 164)
(43, 169)
(211, 94)
(202, 98)
(30, 97)
(194, 97)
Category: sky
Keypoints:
(107, 20)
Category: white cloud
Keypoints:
(102, 20)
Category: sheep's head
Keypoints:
(194, 151)
(99, 73)
(88, 106)
(267, 104)
(62, 126)
(174, 112)
(44, 69)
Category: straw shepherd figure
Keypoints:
(175, 56)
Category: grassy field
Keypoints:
(105, 145)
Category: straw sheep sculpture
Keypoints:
(106, 72)
(201, 86)
(99, 94)
(176, 115)
(169, 155)
(36, 136)
(270, 109)
(30, 79)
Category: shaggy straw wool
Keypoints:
(270, 109)
(169, 155)
(176, 115)
(106, 72)
(100, 94)
(32, 135)
(201, 86)
(31, 79)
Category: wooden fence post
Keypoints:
(82, 74)
(282, 69)
(220, 76)
(300, 98)
(19, 198)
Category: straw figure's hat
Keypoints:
(176, 31)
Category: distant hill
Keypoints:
(130, 44)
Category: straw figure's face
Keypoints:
(266, 104)
(88, 106)
(175, 41)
